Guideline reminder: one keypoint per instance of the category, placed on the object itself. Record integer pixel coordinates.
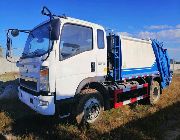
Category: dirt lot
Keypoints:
(141, 122)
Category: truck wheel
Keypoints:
(90, 108)
(155, 92)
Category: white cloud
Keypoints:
(161, 27)
(165, 35)
(178, 26)
(157, 27)
(125, 34)
(174, 49)
(146, 35)
(169, 35)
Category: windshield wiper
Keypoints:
(35, 53)
(38, 52)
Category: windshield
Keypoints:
(37, 43)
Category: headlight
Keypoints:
(44, 79)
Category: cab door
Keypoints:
(101, 52)
(77, 58)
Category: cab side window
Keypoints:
(100, 39)
(75, 39)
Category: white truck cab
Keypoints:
(75, 59)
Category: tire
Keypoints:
(90, 107)
(155, 92)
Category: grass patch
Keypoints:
(141, 122)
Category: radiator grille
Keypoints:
(30, 84)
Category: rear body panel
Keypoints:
(133, 58)
(138, 58)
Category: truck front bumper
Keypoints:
(41, 104)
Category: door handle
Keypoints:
(93, 67)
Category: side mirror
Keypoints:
(9, 47)
(15, 32)
(9, 43)
(55, 29)
(8, 53)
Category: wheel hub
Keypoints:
(92, 110)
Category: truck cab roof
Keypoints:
(78, 21)
(74, 21)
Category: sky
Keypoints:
(156, 19)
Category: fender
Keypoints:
(96, 83)
(83, 83)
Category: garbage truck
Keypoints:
(71, 67)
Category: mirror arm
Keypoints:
(24, 31)
(8, 57)
(10, 60)
(49, 15)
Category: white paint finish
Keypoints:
(70, 72)
(139, 86)
(129, 101)
(80, 22)
(44, 110)
(101, 56)
(52, 69)
(140, 97)
(126, 102)
(136, 53)
(31, 68)
(66, 75)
